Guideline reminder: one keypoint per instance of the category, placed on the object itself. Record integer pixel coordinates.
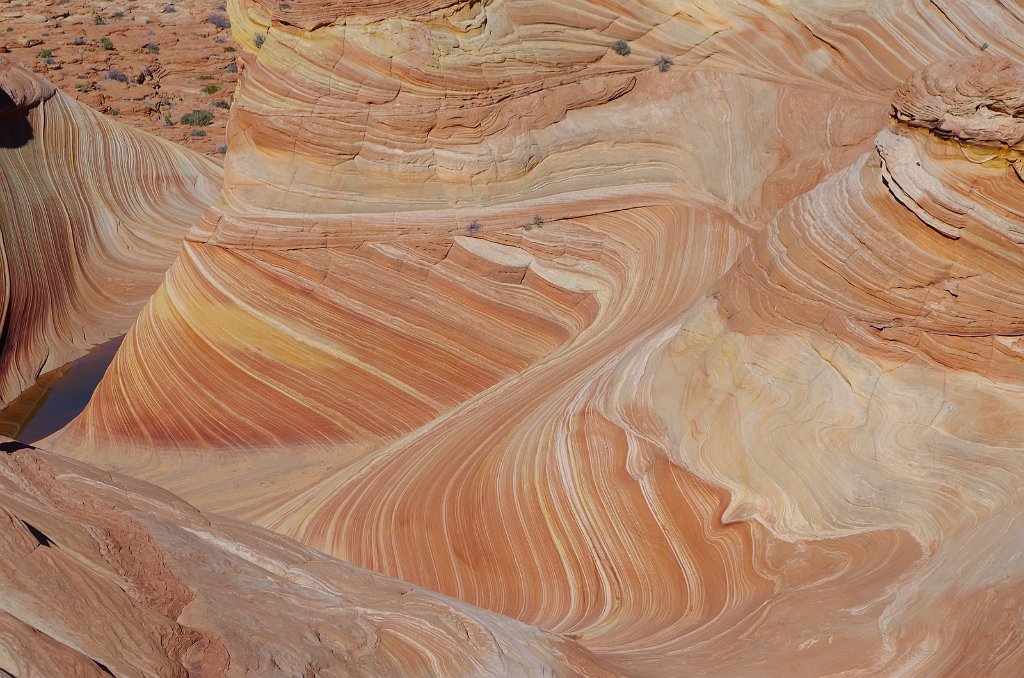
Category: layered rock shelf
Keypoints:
(542, 338)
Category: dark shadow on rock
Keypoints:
(38, 534)
(15, 130)
(11, 446)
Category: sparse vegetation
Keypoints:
(117, 74)
(83, 87)
(205, 77)
(663, 63)
(219, 20)
(197, 118)
(114, 111)
(153, 48)
(99, 20)
(621, 47)
(197, 133)
(220, 103)
(222, 149)
(209, 89)
(229, 49)
(106, 44)
(231, 68)
(474, 226)
(117, 15)
(45, 53)
(79, 41)
(537, 221)
(259, 39)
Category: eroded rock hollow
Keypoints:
(655, 338)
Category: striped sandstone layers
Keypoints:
(746, 396)
(103, 575)
(92, 213)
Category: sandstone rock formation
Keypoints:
(163, 60)
(103, 575)
(92, 213)
(704, 355)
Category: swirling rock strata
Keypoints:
(91, 215)
(182, 593)
(769, 403)
(858, 372)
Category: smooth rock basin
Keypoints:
(58, 396)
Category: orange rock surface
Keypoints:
(92, 214)
(699, 349)
(103, 575)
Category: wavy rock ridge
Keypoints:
(744, 396)
(860, 370)
(92, 214)
(185, 594)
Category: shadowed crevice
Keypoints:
(15, 129)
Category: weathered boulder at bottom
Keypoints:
(104, 575)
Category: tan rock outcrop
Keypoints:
(704, 355)
(92, 214)
(104, 575)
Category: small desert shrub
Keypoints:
(663, 63)
(229, 49)
(115, 111)
(231, 68)
(621, 47)
(99, 20)
(106, 44)
(45, 53)
(474, 226)
(538, 221)
(209, 89)
(168, 9)
(10, 29)
(219, 20)
(197, 133)
(79, 41)
(197, 118)
(259, 39)
(118, 75)
(117, 15)
(50, 61)
(83, 87)
(220, 103)
(222, 149)
(153, 48)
